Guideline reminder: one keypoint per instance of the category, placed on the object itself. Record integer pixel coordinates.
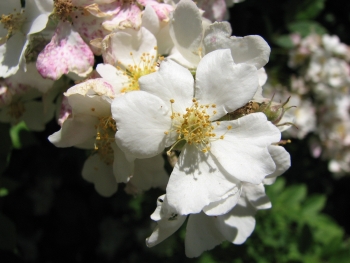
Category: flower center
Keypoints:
(63, 9)
(12, 23)
(194, 127)
(16, 109)
(105, 131)
(147, 65)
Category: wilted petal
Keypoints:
(67, 52)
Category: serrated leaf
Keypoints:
(313, 204)
(292, 196)
(305, 28)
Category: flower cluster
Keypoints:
(320, 91)
(173, 86)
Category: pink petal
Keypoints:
(67, 52)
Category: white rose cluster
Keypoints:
(173, 86)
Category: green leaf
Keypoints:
(313, 204)
(274, 190)
(3, 192)
(305, 239)
(305, 28)
(292, 196)
(21, 136)
(284, 41)
(309, 9)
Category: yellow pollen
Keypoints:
(147, 64)
(12, 23)
(63, 9)
(193, 127)
(106, 129)
(229, 127)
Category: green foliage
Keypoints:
(294, 230)
(21, 136)
(305, 28)
(309, 9)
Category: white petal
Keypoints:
(243, 152)
(150, 20)
(122, 167)
(101, 175)
(197, 181)
(92, 97)
(219, 81)
(12, 54)
(186, 30)
(223, 206)
(117, 47)
(256, 195)
(170, 222)
(201, 235)
(75, 131)
(114, 76)
(179, 58)
(282, 160)
(251, 50)
(37, 13)
(172, 81)
(239, 224)
(142, 119)
(150, 172)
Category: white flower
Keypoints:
(90, 126)
(193, 40)
(18, 99)
(204, 232)
(173, 110)
(128, 55)
(17, 26)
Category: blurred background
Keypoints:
(48, 213)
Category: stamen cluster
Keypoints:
(194, 126)
(146, 65)
(11, 23)
(63, 9)
(106, 129)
